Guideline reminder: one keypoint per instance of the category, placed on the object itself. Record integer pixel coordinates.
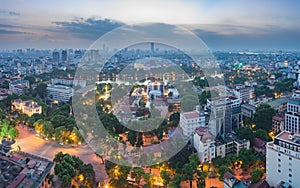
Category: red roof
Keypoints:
(259, 143)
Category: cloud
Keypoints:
(90, 28)
(245, 37)
(9, 13)
(4, 32)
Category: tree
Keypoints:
(247, 157)
(31, 79)
(263, 117)
(201, 175)
(262, 134)
(256, 175)
(68, 168)
(190, 168)
(245, 133)
(165, 176)
(219, 161)
(137, 173)
(41, 90)
(222, 170)
(176, 181)
(13, 132)
(231, 158)
(132, 137)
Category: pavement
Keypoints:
(33, 144)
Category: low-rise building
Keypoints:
(25, 170)
(3, 93)
(204, 143)
(280, 105)
(232, 182)
(230, 144)
(259, 145)
(248, 110)
(277, 123)
(18, 87)
(28, 107)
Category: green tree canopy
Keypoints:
(263, 117)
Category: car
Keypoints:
(61, 143)
(46, 138)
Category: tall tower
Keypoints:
(152, 46)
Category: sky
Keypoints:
(221, 24)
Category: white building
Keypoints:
(204, 143)
(189, 121)
(28, 107)
(292, 117)
(59, 93)
(283, 159)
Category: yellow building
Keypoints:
(28, 107)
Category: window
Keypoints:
(290, 158)
(290, 175)
(279, 165)
(279, 160)
(279, 154)
(279, 171)
(290, 170)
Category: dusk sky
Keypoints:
(221, 24)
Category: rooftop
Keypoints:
(248, 106)
(23, 170)
(289, 137)
(277, 102)
(191, 115)
(204, 134)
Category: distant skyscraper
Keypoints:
(152, 46)
(55, 56)
(64, 55)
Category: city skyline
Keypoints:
(222, 25)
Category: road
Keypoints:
(31, 143)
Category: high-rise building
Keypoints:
(292, 117)
(225, 114)
(55, 57)
(283, 159)
(64, 56)
(152, 46)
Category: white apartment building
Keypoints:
(292, 117)
(59, 93)
(189, 121)
(283, 159)
(204, 143)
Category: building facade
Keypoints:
(225, 114)
(189, 121)
(59, 93)
(283, 159)
(204, 143)
(292, 116)
(277, 123)
(28, 107)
